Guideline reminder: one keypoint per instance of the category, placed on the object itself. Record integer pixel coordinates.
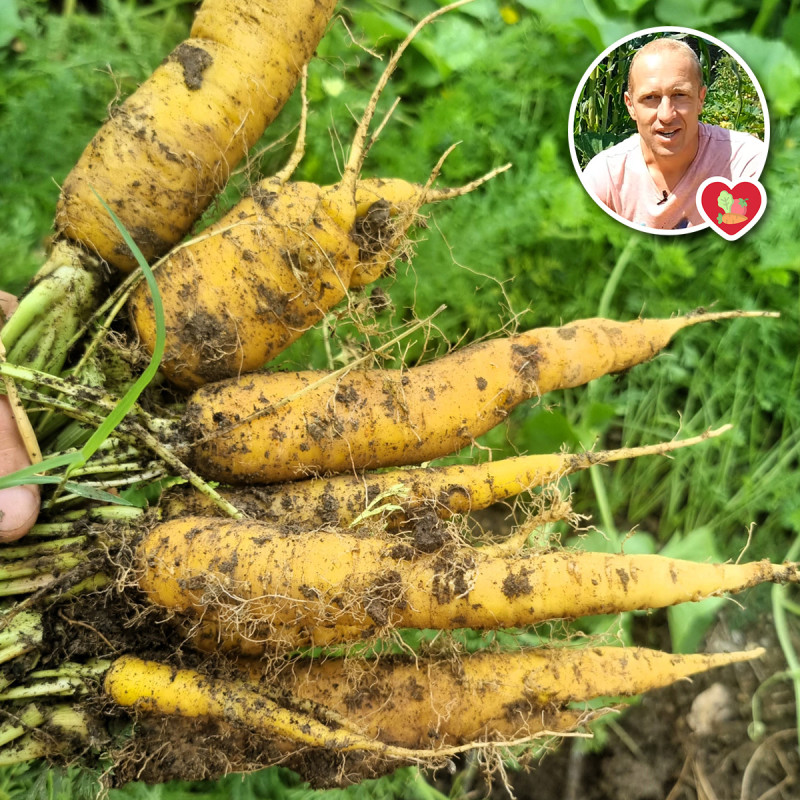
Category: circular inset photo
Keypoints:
(657, 114)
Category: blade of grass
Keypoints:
(77, 459)
(31, 474)
(132, 395)
(596, 477)
(779, 594)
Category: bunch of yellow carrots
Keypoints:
(298, 532)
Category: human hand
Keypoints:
(19, 505)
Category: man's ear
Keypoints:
(703, 90)
(629, 105)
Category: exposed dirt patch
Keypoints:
(516, 585)
(147, 240)
(180, 749)
(566, 332)
(328, 506)
(195, 61)
(526, 361)
(452, 575)
(385, 594)
(263, 197)
(379, 300)
(374, 230)
(216, 339)
(428, 531)
(109, 623)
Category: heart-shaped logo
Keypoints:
(731, 210)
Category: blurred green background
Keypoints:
(528, 249)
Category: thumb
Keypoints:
(19, 505)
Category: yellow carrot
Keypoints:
(150, 687)
(268, 271)
(170, 147)
(405, 709)
(428, 701)
(292, 589)
(397, 494)
(266, 428)
(273, 266)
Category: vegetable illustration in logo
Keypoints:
(735, 210)
(731, 209)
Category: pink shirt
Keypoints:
(620, 178)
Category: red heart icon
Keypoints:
(731, 210)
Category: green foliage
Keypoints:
(732, 101)
(281, 784)
(34, 781)
(776, 64)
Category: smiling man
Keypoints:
(652, 177)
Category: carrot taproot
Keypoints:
(272, 427)
(397, 495)
(292, 589)
(273, 266)
(413, 710)
(169, 148)
(488, 696)
(404, 709)
(151, 687)
(269, 270)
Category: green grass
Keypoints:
(529, 246)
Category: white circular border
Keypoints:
(576, 97)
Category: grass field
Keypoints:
(528, 249)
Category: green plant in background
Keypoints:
(732, 100)
(601, 117)
(532, 249)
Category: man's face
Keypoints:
(665, 102)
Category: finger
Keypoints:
(19, 505)
(7, 305)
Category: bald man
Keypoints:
(19, 505)
(652, 178)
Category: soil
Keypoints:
(373, 230)
(195, 61)
(689, 741)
